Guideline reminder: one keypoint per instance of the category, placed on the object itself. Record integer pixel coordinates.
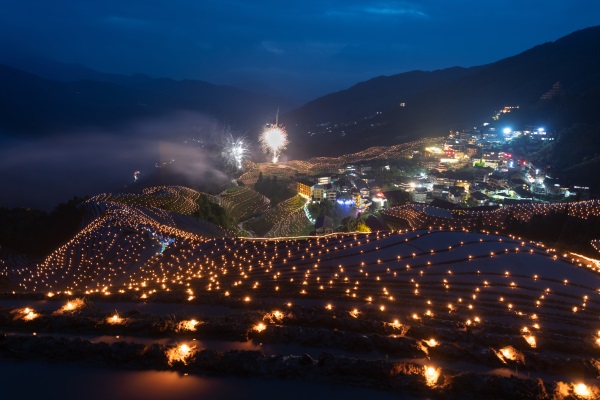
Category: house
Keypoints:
(324, 225)
(518, 182)
(405, 182)
(330, 192)
(523, 194)
(497, 180)
(318, 192)
(439, 191)
(303, 187)
(481, 175)
(419, 195)
(446, 205)
(491, 159)
(361, 184)
(471, 150)
(479, 198)
(444, 180)
(375, 187)
(456, 194)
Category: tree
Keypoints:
(361, 226)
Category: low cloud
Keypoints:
(380, 9)
(384, 10)
(40, 173)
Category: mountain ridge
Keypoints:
(34, 105)
(456, 101)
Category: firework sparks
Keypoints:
(235, 151)
(274, 139)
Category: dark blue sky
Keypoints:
(301, 49)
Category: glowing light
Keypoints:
(277, 315)
(260, 327)
(234, 152)
(26, 314)
(511, 354)
(180, 354)
(188, 325)
(434, 150)
(530, 340)
(582, 390)
(115, 319)
(431, 375)
(71, 305)
(432, 342)
(274, 140)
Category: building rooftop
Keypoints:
(324, 222)
(479, 196)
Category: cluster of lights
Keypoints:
(418, 215)
(71, 306)
(188, 325)
(26, 314)
(414, 275)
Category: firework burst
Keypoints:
(274, 140)
(235, 151)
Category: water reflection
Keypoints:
(94, 383)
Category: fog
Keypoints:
(42, 172)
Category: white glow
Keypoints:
(274, 140)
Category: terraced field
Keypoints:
(243, 202)
(445, 313)
(427, 313)
(419, 215)
(286, 216)
(177, 199)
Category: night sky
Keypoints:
(300, 49)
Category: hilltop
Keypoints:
(33, 105)
(390, 109)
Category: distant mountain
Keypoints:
(367, 98)
(30, 104)
(55, 70)
(371, 113)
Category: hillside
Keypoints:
(365, 99)
(430, 313)
(458, 99)
(34, 105)
(36, 233)
(442, 310)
